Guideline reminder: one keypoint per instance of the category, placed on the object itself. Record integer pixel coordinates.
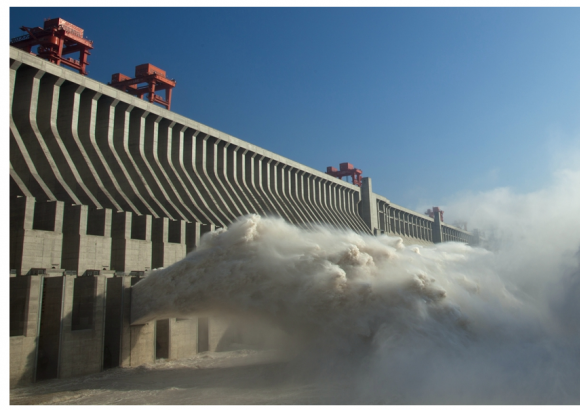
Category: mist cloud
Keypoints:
(408, 324)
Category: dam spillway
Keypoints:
(105, 187)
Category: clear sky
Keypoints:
(428, 102)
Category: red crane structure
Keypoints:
(346, 170)
(151, 78)
(57, 39)
(431, 212)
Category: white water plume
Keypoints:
(406, 324)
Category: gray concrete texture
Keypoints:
(53, 323)
(103, 182)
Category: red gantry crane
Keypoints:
(148, 80)
(346, 170)
(431, 212)
(57, 39)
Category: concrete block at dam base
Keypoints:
(66, 326)
(105, 187)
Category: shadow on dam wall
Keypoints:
(88, 205)
(67, 326)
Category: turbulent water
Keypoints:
(442, 324)
(370, 320)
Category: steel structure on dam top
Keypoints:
(105, 187)
(78, 142)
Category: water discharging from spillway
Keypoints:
(407, 324)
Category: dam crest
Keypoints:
(105, 187)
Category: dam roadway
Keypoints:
(105, 187)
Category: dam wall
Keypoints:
(105, 187)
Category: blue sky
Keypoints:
(428, 102)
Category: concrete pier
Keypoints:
(105, 187)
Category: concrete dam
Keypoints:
(105, 187)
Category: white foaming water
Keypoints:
(406, 324)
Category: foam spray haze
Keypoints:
(406, 324)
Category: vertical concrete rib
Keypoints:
(84, 134)
(333, 201)
(212, 152)
(354, 219)
(340, 202)
(225, 166)
(164, 155)
(269, 183)
(118, 146)
(348, 209)
(355, 204)
(380, 216)
(259, 184)
(324, 187)
(32, 143)
(384, 208)
(242, 178)
(384, 223)
(189, 163)
(231, 174)
(321, 187)
(311, 195)
(263, 184)
(261, 180)
(52, 105)
(27, 146)
(302, 193)
(177, 158)
(64, 126)
(295, 189)
(140, 126)
(256, 162)
(149, 153)
(287, 190)
(277, 188)
(201, 165)
(250, 178)
(318, 198)
(21, 185)
(397, 222)
(21, 164)
(114, 172)
(348, 202)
